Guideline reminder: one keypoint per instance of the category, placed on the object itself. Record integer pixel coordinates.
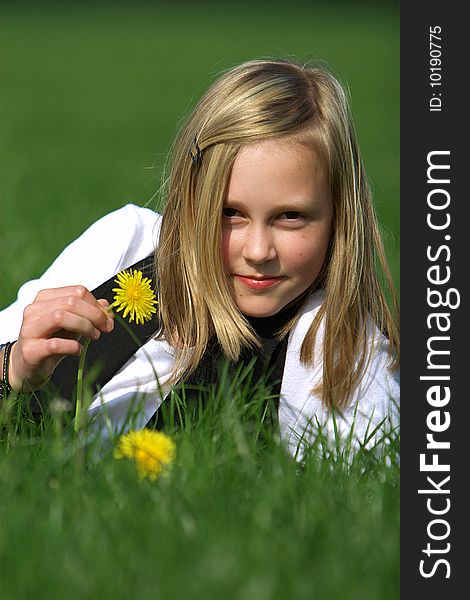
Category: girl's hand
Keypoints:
(52, 327)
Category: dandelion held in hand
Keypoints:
(134, 296)
(137, 299)
(151, 451)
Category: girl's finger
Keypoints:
(43, 318)
(79, 291)
(62, 320)
(33, 361)
(34, 353)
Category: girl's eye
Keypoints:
(230, 212)
(291, 215)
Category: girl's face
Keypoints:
(277, 222)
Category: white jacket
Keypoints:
(128, 235)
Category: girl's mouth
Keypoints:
(258, 283)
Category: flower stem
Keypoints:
(79, 404)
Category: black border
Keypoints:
(423, 131)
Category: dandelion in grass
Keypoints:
(134, 296)
(151, 451)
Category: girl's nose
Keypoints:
(258, 245)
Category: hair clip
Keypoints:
(195, 152)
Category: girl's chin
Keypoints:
(259, 309)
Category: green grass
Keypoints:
(209, 530)
(235, 516)
(91, 98)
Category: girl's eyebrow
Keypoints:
(297, 205)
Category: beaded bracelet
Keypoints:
(5, 388)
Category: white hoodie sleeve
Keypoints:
(112, 243)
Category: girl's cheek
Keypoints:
(232, 243)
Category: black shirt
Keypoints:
(264, 366)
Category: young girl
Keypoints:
(267, 249)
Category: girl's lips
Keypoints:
(256, 283)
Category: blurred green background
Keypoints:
(92, 94)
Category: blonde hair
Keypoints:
(254, 101)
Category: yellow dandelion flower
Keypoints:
(151, 451)
(134, 296)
